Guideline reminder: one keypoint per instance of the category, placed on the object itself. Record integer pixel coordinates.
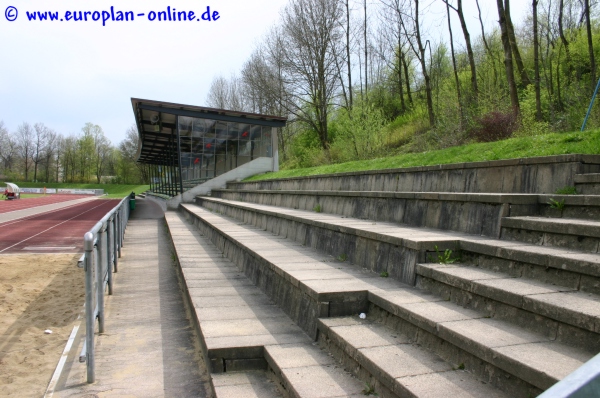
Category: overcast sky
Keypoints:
(65, 74)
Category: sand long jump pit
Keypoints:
(38, 292)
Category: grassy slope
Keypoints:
(587, 142)
(115, 191)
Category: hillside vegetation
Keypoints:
(400, 83)
(587, 142)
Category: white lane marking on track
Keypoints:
(48, 229)
(4, 224)
(49, 204)
(48, 247)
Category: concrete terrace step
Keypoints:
(588, 183)
(572, 233)
(531, 361)
(241, 330)
(588, 177)
(397, 365)
(395, 249)
(250, 384)
(475, 213)
(462, 212)
(560, 313)
(524, 175)
(518, 356)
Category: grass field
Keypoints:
(115, 191)
(587, 142)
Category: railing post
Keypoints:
(89, 305)
(100, 272)
(120, 234)
(109, 252)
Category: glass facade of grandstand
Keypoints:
(182, 146)
(210, 148)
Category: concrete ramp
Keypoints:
(256, 166)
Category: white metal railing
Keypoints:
(102, 245)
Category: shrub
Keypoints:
(494, 126)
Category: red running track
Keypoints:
(20, 204)
(55, 232)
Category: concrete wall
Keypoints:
(528, 175)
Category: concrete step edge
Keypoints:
(563, 226)
(441, 196)
(534, 303)
(574, 261)
(587, 178)
(420, 360)
(529, 368)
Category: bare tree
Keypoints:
(419, 51)
(218, 94)
(8, 149)
(311, 29)
(514, 46)
(59, 145)
(348, 58)
(488, 49)
(467, 36)
(392, 33)
(50, 151)
(563, 38)
(25, 140)
(265, 86)
(457, 81)
(39, 144)
(366, 42)
(103, 152)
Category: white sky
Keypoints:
(65, 74)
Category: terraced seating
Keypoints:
(464, 294)
(243, 332)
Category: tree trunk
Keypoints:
(536, 62)
(399, 70)
(565, 43)
(588, 27)
(457, 81)
(508, 62)
(487, 46)
(513, 44)
(366, 57)
(463, 25)
(424, 67)
(405, 66)
(348, 61)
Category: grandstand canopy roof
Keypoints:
(157, 126)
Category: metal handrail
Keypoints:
(102, 245)
(584, 382)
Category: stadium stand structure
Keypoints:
(465, 280)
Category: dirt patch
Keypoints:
(37, 292)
